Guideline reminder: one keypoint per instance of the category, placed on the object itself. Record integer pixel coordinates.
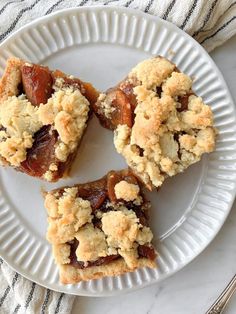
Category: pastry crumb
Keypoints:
(126, 191)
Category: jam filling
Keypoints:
(159, 91)
(37, 83)
(115, 177)
(123, 101)
(144, 251)
(100, 261)
(140, 213)
(95, 192)
(128, 89)
(123, 110)
(42, 153)
(183, 100)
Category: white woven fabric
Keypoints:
(19, 295)
(211, 22)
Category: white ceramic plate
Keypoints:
(101, 44)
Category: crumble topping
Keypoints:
(152, 72)
(74, 209)
(121, 228)
(130, 256)
(51, 204)
(177, 84)
(62, 253)
(71, 217)
(66, 215)
(198, 114)
(13, 149)
(92, 243)
(48, 175)
(144, 235)
(126, 191)
(59, 83)
(106, 107)
(67, 111)
(165, 138)
(19, 121)
(11, 79)
(145, 168)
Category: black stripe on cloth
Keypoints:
(206, 18)
(5, 295)
(8, 288)
(168, 10)
(15, 278)
(7, 4)
(128, 3)
(1, 261)
(59, 303)
(45, 303)
(189, 14)
(13, 25)
(219, 29)
(83, 2)
(30, 296)
(232, 4)
(53, 7)
(108, 2)
(17, 308)
(148, 6)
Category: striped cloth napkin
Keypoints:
(210, 22)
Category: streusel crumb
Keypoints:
(126, 191)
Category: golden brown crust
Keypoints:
(70, 274)
(11, 78)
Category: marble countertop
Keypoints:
(193, 289)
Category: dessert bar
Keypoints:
(160, 125)
(100, 228)
(43, 115)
